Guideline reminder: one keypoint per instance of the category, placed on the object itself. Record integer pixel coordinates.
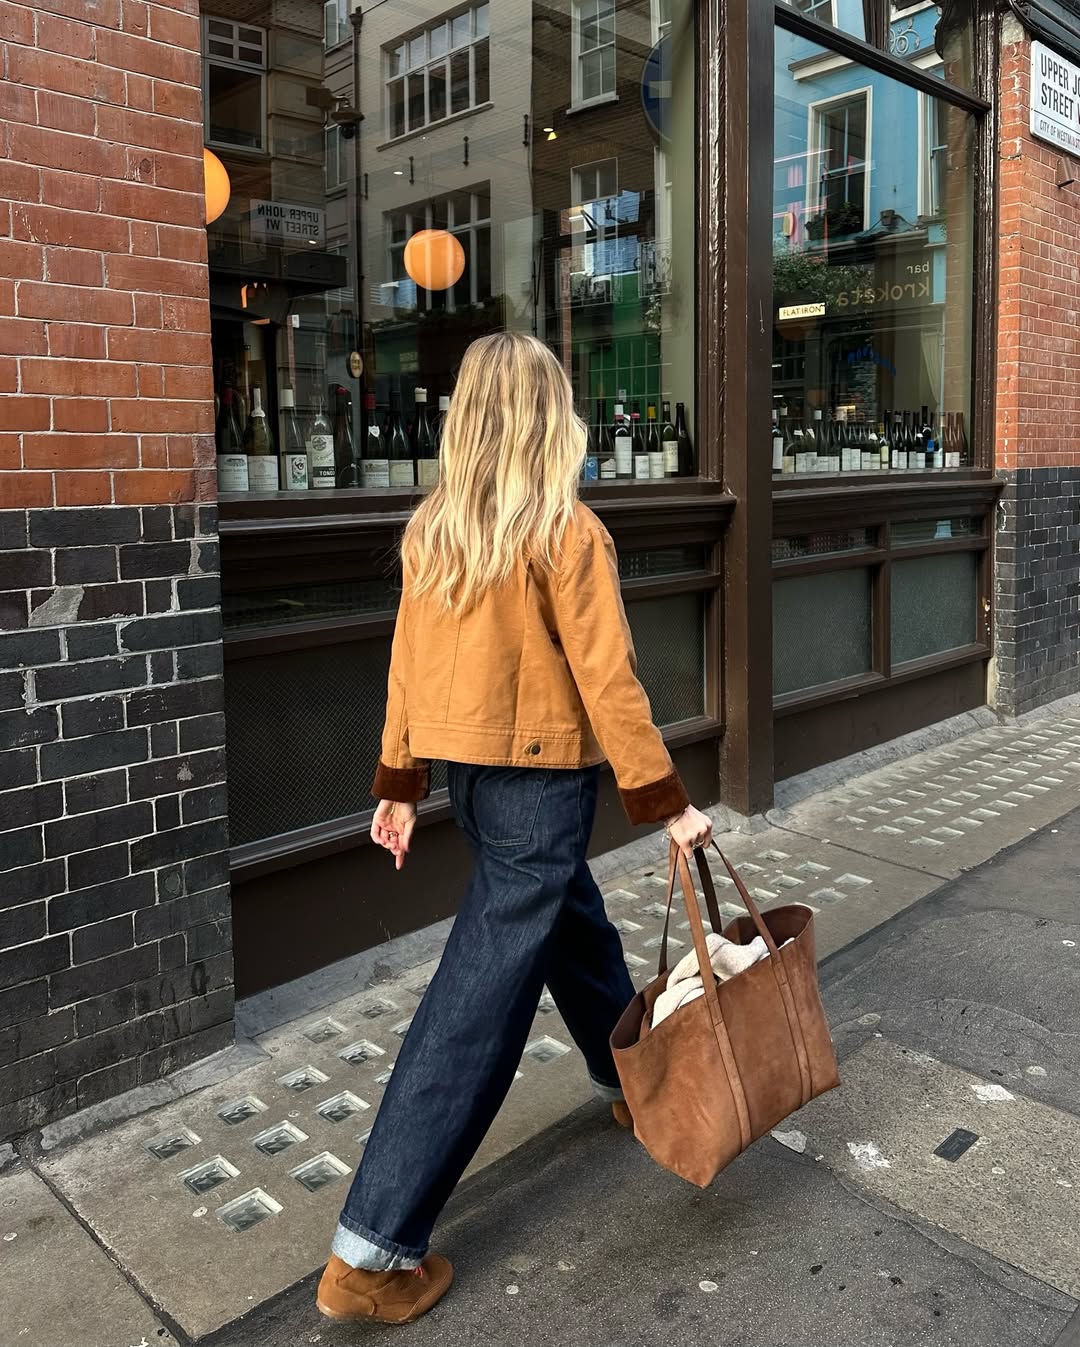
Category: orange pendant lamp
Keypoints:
(434, 259)
(217, 186)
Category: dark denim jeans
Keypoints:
(532, 914)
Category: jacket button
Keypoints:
(533, 748)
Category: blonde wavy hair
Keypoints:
(511, 456)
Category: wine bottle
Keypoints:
(402, 467)
(788, 463)
(624, 450)
(777, 443)
(836, 443)
(637, 443)
(374, 464)
(871, 454)
(320, 447)
(259, 443)
(686, 448)
(897, 451)
(424, 448)
(590, 468)
(821, 452)
(937, 449)
(605, 444)
(669, 443)
(294, 459)
(232, 462)
(960, 452)
(346, 464)
(444, 407)
(652, 444)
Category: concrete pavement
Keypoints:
(209, 1202)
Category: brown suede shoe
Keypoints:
(348, 1293)
(622, 1115)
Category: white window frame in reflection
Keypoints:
(412, 58)
(932, 146)
(337, 171)
(399, 289)
(818, 113)
(247, 54)
(822, 10)
(336, 26)
(582, 11)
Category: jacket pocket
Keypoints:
(506, 804)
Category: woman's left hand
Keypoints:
(392, 828)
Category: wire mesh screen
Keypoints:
(821, 629)
(933, 604)
(303, 732)
(669, 637)
(306, 603)
(652, 561)
(823, 544)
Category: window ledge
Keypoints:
(434, 126)
(588, 103)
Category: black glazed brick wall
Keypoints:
(1037, 588)
(115, 936)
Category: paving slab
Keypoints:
(951, 808)
(56, 1285)
(960, 1151)
(578, 1238)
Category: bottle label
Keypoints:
(778, 453)
(641, 467)
(788, 463)
(294, 472)
(262, 472)
(401, 472)
(607, 469)
(623, 457)
(591, 470)
(321, 456)
(427, 471)
(374, 472)
(656, 465)
(671, 458)
(232, 472)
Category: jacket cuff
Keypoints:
(403, 785)
(659, 800)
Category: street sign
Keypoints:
(1055, 99)
(656, 88)
(287, 221)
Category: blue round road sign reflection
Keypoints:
(656, 88)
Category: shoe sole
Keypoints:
(428, 1302)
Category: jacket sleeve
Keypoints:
(596, 640)
(399, 776)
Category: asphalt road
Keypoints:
(579, 1239)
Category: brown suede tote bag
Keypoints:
(725, 1069)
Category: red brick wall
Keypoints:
(105, 371)
(1038, 390)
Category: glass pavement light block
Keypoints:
(323, 1030)
(172, 1143)
(620, 896)
(400, 1030)
(342, 1106)
(240, 1110)
(546, 1049)
(318, 1172)
(383, 1078)
(547, 1005)
(377, 1009)
(209, 1175)
(247, 1210)
(356, 1054)
(365, 1136)
(304, 1078)
(627, 927)
(277, 1139)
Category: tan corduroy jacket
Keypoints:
(539, 673)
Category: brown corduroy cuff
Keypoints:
(403, 785)
(658, 801)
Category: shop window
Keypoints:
(337, 28)
(443, 70)
(934, 603)
(872, 270)
(822, 629)
(593, 50)
(234, 84)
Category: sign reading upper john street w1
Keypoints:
(1055, 99)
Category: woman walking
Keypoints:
(512, 661)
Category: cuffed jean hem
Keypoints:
(364, 1249)
(610, 1094)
